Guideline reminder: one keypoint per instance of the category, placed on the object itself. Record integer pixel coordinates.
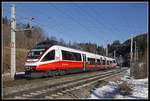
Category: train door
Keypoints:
(84, 62)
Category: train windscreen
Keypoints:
(37, 51)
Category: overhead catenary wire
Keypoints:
(93, 17)
(36, 22)
(45, 25)
(71, 17)
(99, 22)
(46, 19)
(124, 22)
(107, 27)
(72, 20)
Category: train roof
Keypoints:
(53, 43)
(81, 51)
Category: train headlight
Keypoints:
(27, 68)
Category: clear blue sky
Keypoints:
(85, 22)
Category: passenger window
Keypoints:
(110, 62)
(49, 56)
(101, 61)
(77, 56)
(104, 62)
(107, 62)
(98, 61)
(66, 55)
(91, 60)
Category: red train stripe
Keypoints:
(68, 65)
(60, 65)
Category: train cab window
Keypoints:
(49, 56)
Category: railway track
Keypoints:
(53, 90)
(15, 86)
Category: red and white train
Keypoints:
(59, 60)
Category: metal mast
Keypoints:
(12, 44)
(114, 54)
(131, 56)
(131, 50)
(106, 49)
(135, 56)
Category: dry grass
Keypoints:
(20, 59)
(124, 88)
(140, 68)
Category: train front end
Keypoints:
(33, 57)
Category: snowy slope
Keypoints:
(110, 91)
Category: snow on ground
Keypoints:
(140, 87)
(110, 91)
